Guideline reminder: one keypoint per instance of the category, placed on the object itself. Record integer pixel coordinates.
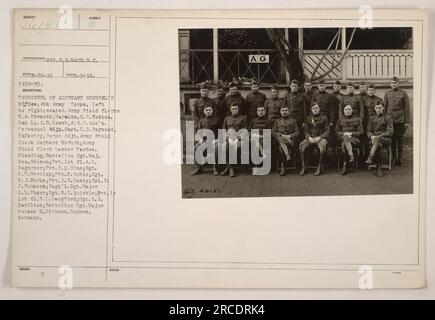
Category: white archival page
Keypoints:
(97, 98)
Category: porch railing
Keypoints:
(375, 65)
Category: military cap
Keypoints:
(362, 83)
(371, 85)
(350, 84)
(254, 83)
(219, 87)
(321, 81)
(294, 81)
(203, 86)
(395, 79)
(234, 104)
(233, 84)
(337, 82)
(274, 87)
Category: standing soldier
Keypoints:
(233, 123)
(273, 104)
(379, 132)
(336, 98)
(316, 132)
(349, 130)
(260, 122)
(308, 93)
(219, 101)
(210, 122)
(200, 104)
(370, 101)
(396, 103)
(295, 101)
(323, 99)
(253, 99)
(235, 97)
(285, 131)
(353, 100)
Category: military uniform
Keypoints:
(369, 103)
(296, 103)
(396, 103)
(355, 102)
(352, 124)
(336, 99)
(236, 123)
(324, 101)
(308, 98)
(221, 108)
(198, 108)
(260, 123)
(380, 126)
(273, 106)
(211, 123)
(283, 127)
(252, 100)
(237, 98)
(316, 126)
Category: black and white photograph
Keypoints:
(270, 112)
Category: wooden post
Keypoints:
(215, 57)
(343, 50)
(287, 75)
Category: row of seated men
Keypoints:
(287, 141)
(299, 102)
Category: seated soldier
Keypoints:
(233, 123)
(349, 130)
(379, 131)
(259, 123)
(210, 122)
(316, 132)
(285, 131)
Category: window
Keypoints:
(380, 38)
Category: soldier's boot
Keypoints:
(379, 171)
(225, 172)
(197, 170)
(344, 170)
(232, 175)
(369, 160)
(282, 171)
(319, 167)
(351, 159)
(215, 170)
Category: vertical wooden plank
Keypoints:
(215, 56)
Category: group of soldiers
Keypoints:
(307, 119)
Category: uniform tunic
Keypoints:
(355, 102)
(396, 104)
(212, 123)
(252, 101)
(237, 98)
(273, 106)
(198, 108)
(369, 103)
(296, 105)
(325, 104)
(221, 109)
(261, 124)
(381, 126)
(316, 126)
(286, 126)
(352, 124)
